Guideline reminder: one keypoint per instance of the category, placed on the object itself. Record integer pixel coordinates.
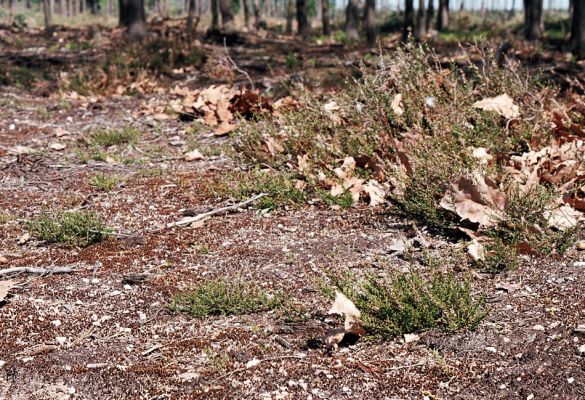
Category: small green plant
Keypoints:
(5, 218)
(280, 189)
(76, 227)
(411, 303)
(292, 61)
(104, 182)
(345, 200)
(223, 297)
(111, 137)
(218, 361)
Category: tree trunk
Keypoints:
(132, 17)
(246, 13)
(257, 15)
(190, 16)
(227, 16)
(303, 18)
(408, 19)
(430, 15)
(290, 9)
(47, 13)
(370, 21)
(443, 15)
(10, 11)
(214, 16)
(352, 20)
(533, 19)
(578, 29)
(420, 29)
(325, 17)
(512, 11)
(27, 4)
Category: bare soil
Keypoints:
(93, 334)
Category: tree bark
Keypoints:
(408, 19)
(303, 18)
(132, 17)
(246, 13)
(420, 29)
(578, 29)
(227, 16)
(325, 17)
(352, 20)
(47, 13)
(370, 21)
(533, 19)
(443, 15)
(10, 11)
(290, 9)
(190, 16)
(214, 16)
(257, 15)
(430, 15)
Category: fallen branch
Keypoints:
(235, 66)
(37, 270)
(199, 217)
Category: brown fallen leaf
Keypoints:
(352, 319)
(396, 105)
(5, 287)
(478, 200)
(476, 250)
(502, 104)
(376, 192)
(193, 155)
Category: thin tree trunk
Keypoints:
(325, 17)
(227, 16)
(533, 19)
(352, 20)
(408, 19)
(132, 17)
(290, 9)
(303, 18)
(370, 21)
(47, 13)
(246, 13)
(443, 15)
(257, 15)
(190, 16)
(10, 11)
(214, 15)
(430, 15)
(578, 29)
(421, 31)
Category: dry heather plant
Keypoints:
(480, 148)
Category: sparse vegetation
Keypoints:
(116, 136)
(223, 297)
(411, 303)
(75, 227)
(104, 182)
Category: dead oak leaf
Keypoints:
(502, 104)
(478, 200)
(5, 287)
(352, 316)
(375, 191)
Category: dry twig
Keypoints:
(235, 66)
(37, 270)
(199, 217)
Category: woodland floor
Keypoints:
(121, 341)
